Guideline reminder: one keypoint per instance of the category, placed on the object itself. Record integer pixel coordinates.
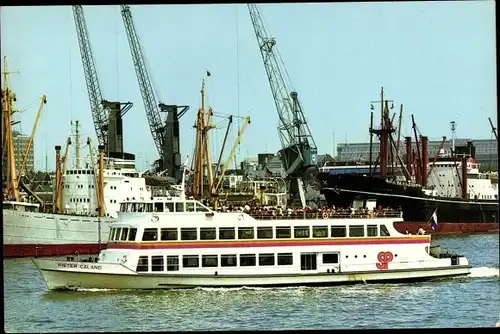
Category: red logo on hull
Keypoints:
(384, 258)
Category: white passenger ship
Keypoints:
(176, 243)
(28, 232)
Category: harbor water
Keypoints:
(460, 302)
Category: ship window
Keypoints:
(172, 263)
(331, 258)
(208, 233)
(264, 232)
(283, 232)
(320, 231)
(245, 233)
(209, 261)
(150, 234)
(228, 260)
(201, 208)
(189, 207)
(179, 207)
(356, 231)
(190, 261)
(118, 233)
(140, 207)
(124, 234)
(266, 259)
(149, 207)
(168, 234)
(157, 263)
(384, 232)
(338, 231)
(247, 260)
(226, 233)
(111, 233)
(285, 259)
(371, 231)
(189, 233)
(158, 207)
(132, 234)
(169, 207)
(134, 207)
(301, 232)
(142, 264)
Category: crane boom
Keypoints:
(94, 89)
(152, 112)
(298, 150)
(493, 129)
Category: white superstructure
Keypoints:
(176, 243)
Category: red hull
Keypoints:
(25, 250)
(447, 228)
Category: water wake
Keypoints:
(484, 272)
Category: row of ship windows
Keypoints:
(226, 260)
(86, 200)
(79, 186)
(245, 233)
(163, 207)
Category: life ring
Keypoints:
(325, 215)
(155, 219)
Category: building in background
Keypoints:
(486, 150)
(20, 141)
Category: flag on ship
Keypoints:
(434, 221)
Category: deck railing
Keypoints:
(328, 215)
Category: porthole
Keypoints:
(347, 256)
(364, 256)
(355, 256)
(395, 255)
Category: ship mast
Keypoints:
(383, 133)
(8, 98)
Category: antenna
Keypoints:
(453, 127)
(183, 189)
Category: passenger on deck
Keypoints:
(406, 231)
(421, 231)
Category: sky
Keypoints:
(437, 59)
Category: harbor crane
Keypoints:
(493, 129)
(107, 115)
(298, 152)
(165, 136)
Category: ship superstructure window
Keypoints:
(301, 232)
(117, 234)
(285, 259)
(283, 232)
(172, 263)
(111, 233)
(320, 231)
(142, 264)
(228, 260)
(169, 234)
(338, 231)
(124, 234)
(208, 233)
(245, 233)
(149, 207)
(189, 207)
(158, 207)
(356, 231)
(209, 261)
(132, 234)
(372, 231)
(266, 259)
(201, 208)
(157, 263)
(264, 232)
(189, 233)
(190, 261)
(247, 260)
(169, 207)
(179, 207)
(226, 233)
(384, 232)
(331, 258)
(150, 234)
